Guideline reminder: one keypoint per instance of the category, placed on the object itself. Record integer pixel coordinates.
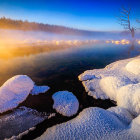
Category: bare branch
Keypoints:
(122, 16)
(124, 13)
(124, 20)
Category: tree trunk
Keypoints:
(133, 32)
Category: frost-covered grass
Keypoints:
(19, 122)
(65, 103)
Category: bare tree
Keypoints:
(124, 20)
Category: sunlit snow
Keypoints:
(15, 90)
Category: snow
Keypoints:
(19, 122)
(98, 124)
(39, 89)
(15, 90)
(134, 66)
(20, 135)
(65, 103)
(119, 81)
(122, 113)
(110, 86)
(129, 97)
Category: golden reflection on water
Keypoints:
(10, 49)
(20, 48)
(23, 57)
(30, 64)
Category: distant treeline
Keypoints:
(7, 23)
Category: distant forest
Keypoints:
(7, 23)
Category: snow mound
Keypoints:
(65, 103)
(14, 91)
(129, 97)
(39, 89)
(16, 123)
(119, 81)
(135, 126)
(98, 124)
(134, 66)
(110, 86)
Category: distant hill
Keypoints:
(7, 23)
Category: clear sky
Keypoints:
(98, 15)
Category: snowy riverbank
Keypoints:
(119, 81)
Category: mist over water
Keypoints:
(18, 36)
(56, 57)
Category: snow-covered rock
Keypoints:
(65, 103)
(119, 81)
(19, 122)
(15, 90)
(39, 89)
(98, 124)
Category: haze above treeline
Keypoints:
(19, 25)
(7, 23)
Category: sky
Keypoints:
(95, 15)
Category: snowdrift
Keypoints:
(98, 124)
(119, 81)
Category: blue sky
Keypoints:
(98, 15)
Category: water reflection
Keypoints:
(19, 48)
(44, 65)
(60, 68)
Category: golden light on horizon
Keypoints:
(107, 41)
(124, 42)
(118, 42)
(57, 43)
(139, 42)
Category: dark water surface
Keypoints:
(59, 69)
